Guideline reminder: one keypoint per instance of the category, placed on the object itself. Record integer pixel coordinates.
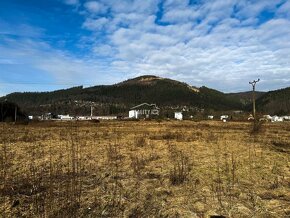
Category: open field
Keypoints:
(144, 169)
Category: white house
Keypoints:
(250, 117)
(267, 117)
(144, 110)
(178, 115)
(210, 117)
(83, 118)
(133, 114)
(277, 119)
(104, 117)
(65, 117)
(224, 117)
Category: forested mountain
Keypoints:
(10, 111)
(166, 93)
(246, 97)
(118, 98)
(275, 102)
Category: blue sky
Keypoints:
(223, 44)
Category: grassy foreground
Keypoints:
(144, 169)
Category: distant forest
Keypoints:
(8, 111)
(119, 98)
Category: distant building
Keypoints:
(83, 118)
(250, 117)
(104, 117)
(210, 117)
(65, 117)
(178, 115)
(277, 119)
(144, 110)
(224, 117)
(47, 116)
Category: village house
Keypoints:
(277, 119)
(144, 110)
(224, 117)
(178, 115)
(47, 116)
(210, 117)
(83, 118)
(65, 117)
(104, 117)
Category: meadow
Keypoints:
(144, 169)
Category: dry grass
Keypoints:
(144, 169)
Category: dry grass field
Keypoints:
(144, 169)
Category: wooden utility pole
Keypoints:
(92, 108)
(253, 83)
(15, 115)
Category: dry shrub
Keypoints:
(138, 164)
(150, 205)
(257, 127)
(169, 135)
(182, 166)
(140, 141)
(281, 146)
(113, 153)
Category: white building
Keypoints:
(133, 114)
(83, 118)
(178, 115)
(144, 110)
(104, 117)
(267, 117)
(210, 117)
(277, 119)
(224, 117)
(65, 117)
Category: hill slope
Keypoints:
(275, 102)
(246, 97)
(118, 98)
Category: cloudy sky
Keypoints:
(222, 44)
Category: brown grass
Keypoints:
(144, 169)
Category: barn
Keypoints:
(144, 110)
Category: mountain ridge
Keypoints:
(117, 98)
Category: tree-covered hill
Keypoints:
(275, 102)
(118, 98)
(246, 97)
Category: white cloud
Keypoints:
(95, 24)
(284, 10)
(20, 30)
(71, 2)
(222, 44)
(95, 7)
(218, 43)
(61, 66)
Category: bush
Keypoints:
(257, 126)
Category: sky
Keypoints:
(222, 44)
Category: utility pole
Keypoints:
(92, 108)
(15, 117)
(253, 83)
